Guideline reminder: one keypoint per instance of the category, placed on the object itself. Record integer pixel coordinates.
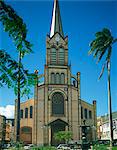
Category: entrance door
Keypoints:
(26, 135)
(57, 126)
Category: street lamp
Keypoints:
(85, 144)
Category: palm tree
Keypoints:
(99, 47)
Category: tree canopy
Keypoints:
(102, 46)
(16, 29)
(63, 136)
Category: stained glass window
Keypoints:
(57, 104)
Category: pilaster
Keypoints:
(35, 114)
(79, 104)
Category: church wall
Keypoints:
(26, 123)
(58, 70)
(75, 110)
(40, 116)
(88, 107)
(46, 114)
(90, 121)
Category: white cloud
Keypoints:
(7, 111)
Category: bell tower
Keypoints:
(56, 49)
(57, 77)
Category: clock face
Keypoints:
(57, 38)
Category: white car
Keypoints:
(28, 146)
(63, 147)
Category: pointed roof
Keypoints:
(56, 24)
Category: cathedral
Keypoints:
(57, 104)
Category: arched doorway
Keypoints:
(26, 134)
(56, 126)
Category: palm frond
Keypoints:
(106, 32)
(102, 71)
(114, 40)
(101, 54)
(102, 46)
(98, 34)
(109, 53)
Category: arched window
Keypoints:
(81, 112)
(31, 111)
(57, 104)
(90, 114)
(26, 112)
(85, 113)
(57, 78)
(53, 78)
(53, 56)
(21, 113)
(61, 56)
(62, 78)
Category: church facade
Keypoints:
(57, 102)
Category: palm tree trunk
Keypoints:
(18, 100)
(109, 105)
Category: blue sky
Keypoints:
(81, 20)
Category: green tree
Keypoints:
(99, 47)
(63, 136)
(16, 29)
(12, 73)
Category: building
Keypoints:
(6, 130)
(26, 122)
(103, 131)
(57, 102)
(2, 129)
(9, 136)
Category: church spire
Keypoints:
(56, 24)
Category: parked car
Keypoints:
(28, 146)
(63, 147)
(5, 146)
